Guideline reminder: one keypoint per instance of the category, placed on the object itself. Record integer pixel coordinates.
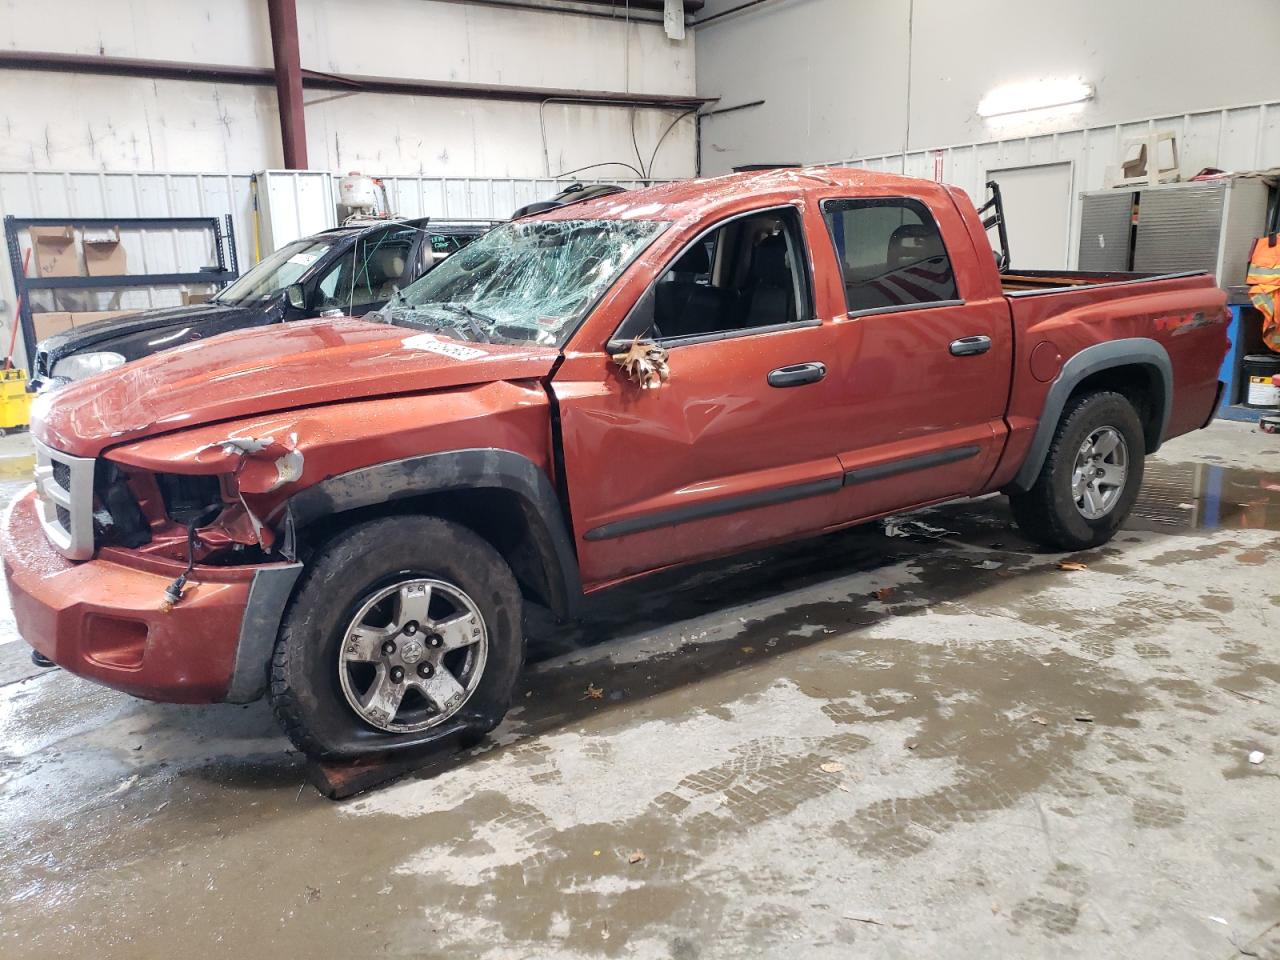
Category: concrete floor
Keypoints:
(857, 746)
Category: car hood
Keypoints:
(102, 333)
(249, 372)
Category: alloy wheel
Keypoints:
(412, 655)
(1099, 473)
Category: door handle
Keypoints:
(970, 346)
(797, 374)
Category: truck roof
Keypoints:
(684, 199)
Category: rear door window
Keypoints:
(890, 252)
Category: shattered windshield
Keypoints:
(531, 280)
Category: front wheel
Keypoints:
(405, 631)
(1090, 478)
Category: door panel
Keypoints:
(920, 423)
(712, 461)
(925, 356)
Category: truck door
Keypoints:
(925, 354)
(733, 449)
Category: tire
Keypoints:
(1049, 512)
(319, 668)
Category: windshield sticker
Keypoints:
(429, 343)
(304, 258)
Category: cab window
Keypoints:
(891, 253)
(746, 274)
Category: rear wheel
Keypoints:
(1090, 478)
(406, 630)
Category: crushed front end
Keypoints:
(162, 585)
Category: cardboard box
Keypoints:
(48, 324)
(188, 298)
(103, 254)
(54, 251)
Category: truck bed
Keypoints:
(1181, 315)
(1030, 282)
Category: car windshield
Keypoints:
(275, 272)
(531, 280)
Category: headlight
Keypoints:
(81, 365)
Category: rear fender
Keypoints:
(1134, 351)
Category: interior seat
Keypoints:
(920, 271)
(386, 272)
(683, 306)
(770, 297)
(911, 243)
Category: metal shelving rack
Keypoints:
(227, 268)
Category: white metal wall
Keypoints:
(298, 203)
(1235, 138)
(99, 194)
(474, 198)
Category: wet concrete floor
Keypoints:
(861, 745)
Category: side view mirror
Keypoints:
(295, 296)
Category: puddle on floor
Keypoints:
(1198, 496)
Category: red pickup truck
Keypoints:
(348, 515)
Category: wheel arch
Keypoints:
(502, 496)
(1137, 367)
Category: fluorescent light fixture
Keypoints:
(1031, 95)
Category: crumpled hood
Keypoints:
(301, 364)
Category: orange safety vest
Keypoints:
(1264, 286)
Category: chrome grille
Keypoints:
(62, 477)
(64, 504)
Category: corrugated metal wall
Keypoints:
(474, 198)
(1236, 138)
(47, 194)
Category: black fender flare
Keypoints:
(1133, 351)
(480, 468)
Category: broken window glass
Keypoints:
(531, 280)
(275, 272)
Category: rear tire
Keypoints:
(405, 631)
(1082, 494)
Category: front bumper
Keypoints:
(101, 619)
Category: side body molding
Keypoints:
(1134, 351)
(482, 468)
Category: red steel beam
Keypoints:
(288, 64)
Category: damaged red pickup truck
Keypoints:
(348, 515)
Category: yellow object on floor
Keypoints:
(15, 402)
